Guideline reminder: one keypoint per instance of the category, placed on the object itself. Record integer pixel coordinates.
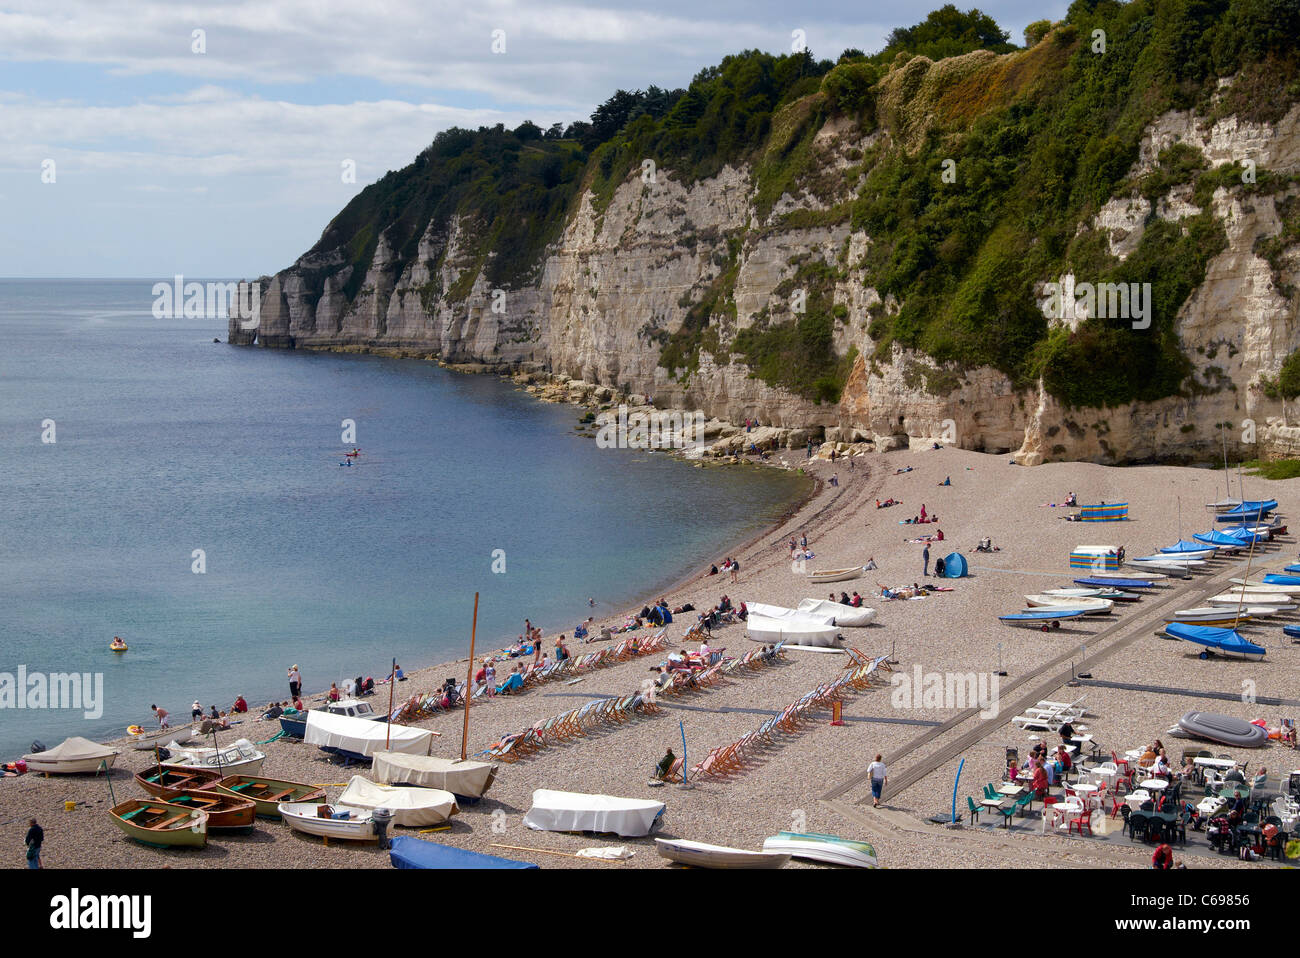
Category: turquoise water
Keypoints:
(168, 443)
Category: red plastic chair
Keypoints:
(1083, 821)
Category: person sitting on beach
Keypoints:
(297, 703)
(1261, 778)
(713, 570)
(1070, 500)
(665, 766)
(273, 711)
(561, 650)
(856, 600)
(240, 704)
(580, 632)
(333, 695)
(871, 565)
(938, 536)
(843, 599)
(1039, 783)
(212, 712)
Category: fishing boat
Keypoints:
(142, 740)
(835, 575)
(703, 855)
(330, 821)
(161, 824)
(839, 614)
(1214, 640)
(411, 806)
(407, 851)
(797, 631)
(224, 811)
(72, 756)
(241, 757)
(823, 848)
(1097, 592)
(266, 794)
(166, 783)
(1041, 619)
(1087, 606)
(1162, 562)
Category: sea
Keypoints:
(192, 497)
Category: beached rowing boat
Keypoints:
(823, 848)
(1250, 597)
(159, 823)
(330, 821)
(266, 794)
(703, 855)
(1096, 592)
(224, 811)
(240, 757)
(464, 779)
(166, 783)
(1250, 585)
(835, 575)
(1210, 615)
(142, 740)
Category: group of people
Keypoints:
(854, 600)
(724, 611)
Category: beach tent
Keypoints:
(1110, 512)
(407, 851)
(954, 565)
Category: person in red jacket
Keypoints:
(240, 705)
(1039, 784)
(1163, 858)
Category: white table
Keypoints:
(1159, 784)
(1009, 789)
(1085, 788)
(1226, 764)
(1134, 753)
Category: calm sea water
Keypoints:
(168, 443)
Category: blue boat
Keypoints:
(1214, 640)
(1117, 583)
(1242, 515)
(408, 852)
(1182, 545)
(1291, 568)
(1292, 630)
(1216, 538)
(1274, 579)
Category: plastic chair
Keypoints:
(1083, 821)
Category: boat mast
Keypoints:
(469, 678)
(392, 684)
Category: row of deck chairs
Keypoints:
(423, 704)
(1050, 716)
(601, 658)
(741, 755)
(616, 711)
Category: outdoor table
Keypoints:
(1159, 784)
(1134, 753)
(1009, 789)
(1108, 775)
(1224, 763)
(991, 802)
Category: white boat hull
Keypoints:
(1279, 588)
(1135, 574)
(1250, 598)
(704, 855)
(1087, 606)
(832, 852)
(840, 615)
(793, 631)
(81, 766)
(147, 740)
(304, 817)
(835, 575)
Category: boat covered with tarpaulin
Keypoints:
(407, 851)
(1214, 639)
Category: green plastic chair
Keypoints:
(974, 809)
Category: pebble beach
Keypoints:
(810, 780)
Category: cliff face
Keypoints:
(628, 267)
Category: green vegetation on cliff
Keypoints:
(989, 165)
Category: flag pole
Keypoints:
(469, 679)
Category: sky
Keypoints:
(152, 138)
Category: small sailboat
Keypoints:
(1042, 619)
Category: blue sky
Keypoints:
(227, 162)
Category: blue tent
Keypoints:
(408, 852)
(954, 565)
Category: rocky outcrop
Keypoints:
(627, 269)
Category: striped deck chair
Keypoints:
(856, 657)
(586, 717)
(706, 767)
(674, 774)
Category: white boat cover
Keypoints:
(843, 615)
(578, 812)
(364, 736)
(794, 631)
(410, 806)
(74, 749)
(462, 778)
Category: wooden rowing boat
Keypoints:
(266, 794)
(161, 824)
(313, 819)
(835, 575)
(224, 811)
(166, 783)
(703, 855)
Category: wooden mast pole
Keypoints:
(469, 683)
(392, 684)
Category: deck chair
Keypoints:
(707, 766)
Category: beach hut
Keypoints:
(954, 565)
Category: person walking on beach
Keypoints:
(196, 711)
(295, 682)
(803, 542)
(735, 568)
(925, 560)
(162, 716)
(35, 838)
(879, 779)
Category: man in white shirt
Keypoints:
(879, 777)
